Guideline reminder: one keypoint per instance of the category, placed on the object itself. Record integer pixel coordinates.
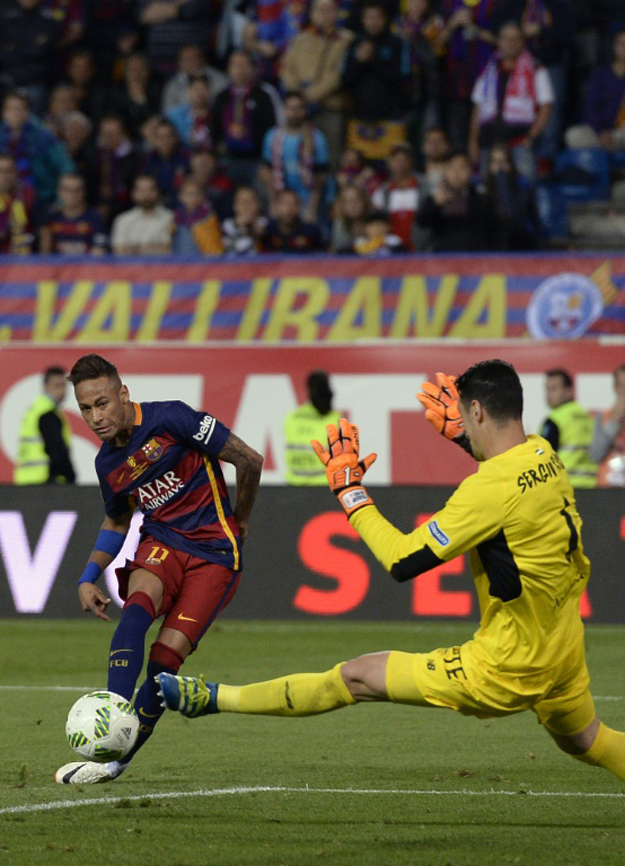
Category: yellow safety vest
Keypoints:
(303, 467)
(33, 464)
(575, 426)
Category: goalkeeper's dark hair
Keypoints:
(496, 385)
(93, 367)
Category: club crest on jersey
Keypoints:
(152, 450)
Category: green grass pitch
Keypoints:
(375, 784)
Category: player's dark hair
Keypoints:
(92, 367)
(567, 379)
(49, 372)
(619, 369)
(496, 385)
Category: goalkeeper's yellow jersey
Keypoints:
(518, 519)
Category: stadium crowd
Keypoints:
(370, 127)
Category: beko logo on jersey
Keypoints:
(158, 492)
(437, 533)
(207, 425)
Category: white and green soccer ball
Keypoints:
(102, 726)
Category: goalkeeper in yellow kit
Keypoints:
(517, 519)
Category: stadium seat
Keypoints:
(552, 211)
(583, 174)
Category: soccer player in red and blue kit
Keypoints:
(162, 458)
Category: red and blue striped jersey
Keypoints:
(169, 469)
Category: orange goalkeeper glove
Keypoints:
(441, 406)
(343, 468)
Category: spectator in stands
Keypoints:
(295, 156)
(242, 115)
(512, 101)
(214, 180)
(421, 27)
(376, 72)
(192, 119)
(287, 232)
(146, 229)
(40, 157)
(351, 208)
(353, 169)
(168, 163)
(196, 226)
(234, 19)
(16, 205)
(111, 32)
(62, 102)
(138, 96)
(604, 115)
(170, 24)
(191, 62)
(241, 234)
(468, 39)
(512, 203)
(71, 14)
(548, 28)
(114, 165)
(399, 196)
(149, 128)
(378, 238)
(456, 213)
(72, 228)
(270, 31)
(81, 73)
(608, 442)
(312, 65)
(569, 429)
(76, 134)
(29, 38)
(434, 151)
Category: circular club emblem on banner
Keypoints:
(564, 307)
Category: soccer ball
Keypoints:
(102, 726)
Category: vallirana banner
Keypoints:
(308, 299)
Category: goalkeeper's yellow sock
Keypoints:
(607, 751)
(293, 695)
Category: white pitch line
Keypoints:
(259, 789)
(49, 688)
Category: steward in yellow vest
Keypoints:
(569, 430)
(44, 438)
(305, 423)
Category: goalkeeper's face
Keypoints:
(472, 415)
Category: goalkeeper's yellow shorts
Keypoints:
(453, 678)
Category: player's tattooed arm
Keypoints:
(248, 464)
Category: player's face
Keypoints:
(103, 405)
(471, 427)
